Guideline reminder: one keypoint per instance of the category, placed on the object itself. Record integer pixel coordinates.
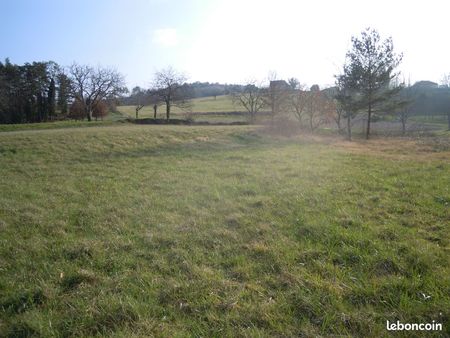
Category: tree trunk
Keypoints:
(369, 114)
(403, 125)
(448, 117)
(155, 108)
(167, 111)
(88, 109)
(137, 112)
(349, 128)
(88, 114)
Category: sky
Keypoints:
(226, 41)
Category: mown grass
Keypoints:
(134, 231)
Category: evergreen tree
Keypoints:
(370, 69)
(51, 98)
(63, 93)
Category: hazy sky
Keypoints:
(223, 40)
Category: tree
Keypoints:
(446, 86)
(26, 92)
(314, 88)
(297, 103)
(294, 83)
(371, 63)
(251, 98)
(139, 98)
(319, 108)
(168, 87)
(100, 110)
(92, 85)
(51, 98)
(77, 110)
(402, 102)
(312, 108)
(63, 90)
(347, 100)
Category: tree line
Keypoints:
(45, 91)
(367, 84)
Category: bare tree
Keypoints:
(403, 104)
(168, 86)
(297, 103)
(140, 99)
(312, 108)
(91, 85)
(319, 109)
(251, 98)
(338, 116)
(347, 101)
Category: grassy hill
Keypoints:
(137, 231)
(199, 110)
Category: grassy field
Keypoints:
(203, 109)
(111, 119)
(53, 125)
(136, 231)
(439, 120)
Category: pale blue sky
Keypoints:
(223, 40)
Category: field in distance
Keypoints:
(134, 231)
(200, 108)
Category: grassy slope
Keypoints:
(164, 230)
(111, 119)
(53, 125)
(222, 104)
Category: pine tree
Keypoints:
(370, 69)
(51, 98)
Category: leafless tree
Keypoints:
(140, 99)
(338, 115)
(334, 93)
(168, 86)
(91, 85)
(405, 100)
(297, 102)
(251, 98)
(346, 101)
(312, 108)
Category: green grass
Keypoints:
(200, 106)
(222, 103)
(137, 231)
(54, 125)
(441, 120)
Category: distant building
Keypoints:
(279, 85)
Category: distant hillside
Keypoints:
(219, 105)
